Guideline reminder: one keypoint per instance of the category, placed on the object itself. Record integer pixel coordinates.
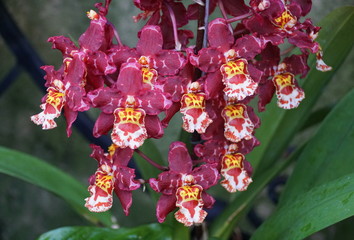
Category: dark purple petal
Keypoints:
(219, 35)
(125, 198)
(166, 183)
(124, 178)
(103, 124)
(63, 44)
(179, 159)
(154, 102)
(170, 113)
(179, 11)
(266, 91)
(76, 72)
(249, 46)
(207, 60)
(70, 117)
(305, 6)
(153, 126)
(120, 55)
(213, 84)
(122, 156)
(165, 205)
(75, 99)
(100, 64)
(303, 41)
(297, 64)
(98, 154)
(206, 175)
(168, 62)
(208, 200)
(259, 24)
(175, 86)
(51, 75)
(148, 5)
(150, 41)
(94, 37)
(130, 80)
(107, 99)
(235, 7)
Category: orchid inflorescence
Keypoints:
(138, 90)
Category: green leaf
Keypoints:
(44, 175)
(224, 224)
(152, 231)
(328, 155)
(315, 195)
(279, 125)
(310, 212)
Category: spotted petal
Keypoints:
(238, 125)
(190, 205)
(129, 128)
(238, 83)
(194, 115)
(236, 177)
(288, 93)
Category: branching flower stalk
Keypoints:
(139, 89)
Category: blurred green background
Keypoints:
(27, 211)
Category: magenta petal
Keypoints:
(166, 183)
(154, 102)
(219, 35)
(170, 113)
(303, 40)
(165, 205)
(100, 64)
(150, 41)
(297, 64)
(125, 198)
(76, 72)
(98, 154)
(179, 158)
(153, 126)
(103, 124)
(208, 200)
(105, 98)
(169, 62)
(206, 175)
(70, 117)
(249, 46)
(130, 79)
(51, 75)
(122, 156)
(93, 38)
(265, 94)
(124, 178)
(235, 7)
(63, 44)
(213, 84)
(207, 60)
(119, 55)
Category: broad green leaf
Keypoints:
(311, 211)
(279, 125)
(44, 175)
(151, 232)
(224, 224)
(328, 155)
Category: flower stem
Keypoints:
(223, 12)
(235, 19)
(116, 35)
(174, 25)
(158, 166)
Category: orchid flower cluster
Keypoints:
(138, 90)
